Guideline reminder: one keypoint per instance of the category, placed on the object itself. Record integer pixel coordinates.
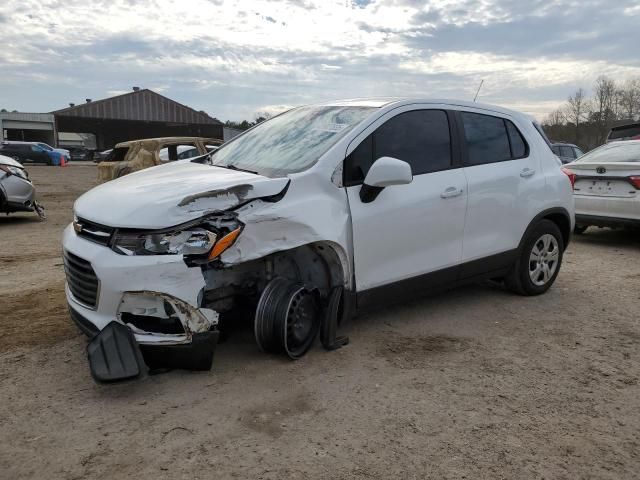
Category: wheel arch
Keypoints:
(558, 215)
(335, 269)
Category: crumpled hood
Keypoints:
(172, 194)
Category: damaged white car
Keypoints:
(308, 218)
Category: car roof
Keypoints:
(391, 102)
(625, 126)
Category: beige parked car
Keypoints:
(136, 155)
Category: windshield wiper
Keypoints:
(234, 167)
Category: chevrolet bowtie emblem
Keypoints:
(77, 227)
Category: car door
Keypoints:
(22, 152)
(410, 230)
(504, 179)
(39, 154)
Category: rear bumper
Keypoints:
(596, 206)
(602, 221)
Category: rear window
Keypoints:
(613, 152)
(626, 131)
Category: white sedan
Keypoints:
(607, 186)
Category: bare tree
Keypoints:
(629, 98)
(576, 109)
(603, 114)
(554, 118)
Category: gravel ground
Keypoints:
(474, 383)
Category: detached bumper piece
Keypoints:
(114, 355)
(197, 355)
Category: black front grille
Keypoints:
(81, 279)
(92, 231)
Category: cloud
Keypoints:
(234, 63)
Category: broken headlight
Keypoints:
(197, 241)
(18, 172)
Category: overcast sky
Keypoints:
(234, 59)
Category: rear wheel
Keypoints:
(539, 261)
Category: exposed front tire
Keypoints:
(580, 229)
(539, 260)
(287, 318)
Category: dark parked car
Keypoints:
(630, 131)
(566, 152)
(78, 153)
(28, 152)
(102, 156)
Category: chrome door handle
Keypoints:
(527, 172)
(451, 192)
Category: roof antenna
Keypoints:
(479, 87)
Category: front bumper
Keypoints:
(114, 355)
(135, 285)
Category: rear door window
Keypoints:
(419, 137)
(487, 140)
(491, 139)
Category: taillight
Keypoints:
(571, 175)
(635, 181)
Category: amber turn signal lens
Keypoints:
(224, 243)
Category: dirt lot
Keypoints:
(475, 383)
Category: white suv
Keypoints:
(321, 212)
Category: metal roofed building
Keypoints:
(141, 113)
(28, 127)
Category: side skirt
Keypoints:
(434, 282)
